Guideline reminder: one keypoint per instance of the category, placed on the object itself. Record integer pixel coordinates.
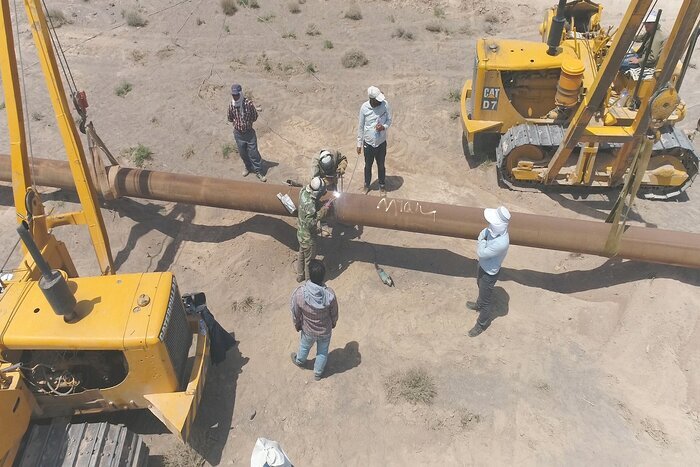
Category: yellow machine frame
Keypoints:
(488, 115)
(139, 315)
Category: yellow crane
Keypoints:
(561, 113)
(79, 345)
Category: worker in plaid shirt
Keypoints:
(242, 113)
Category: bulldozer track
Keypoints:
(548, 137)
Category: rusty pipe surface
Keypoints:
(554, 233)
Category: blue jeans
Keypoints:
(247, 143)
(322, 344)
(626, 64)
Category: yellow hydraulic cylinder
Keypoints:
(569, 82)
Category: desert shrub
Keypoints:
(189, 152)
(327, 44)
(353, 12)
(434, 26)
(229, 7)
(492, 18)
(137, 55)
(311, 68)
(138, 154)
(57, 17)
(227, 149)
(312, 30)
(401, 33)
(454, 95)
(415, 386)
(439, 11)
(123, 89)
(134, 19)
(294, 8)
(289, 35)
(354, 59)
(264, 62)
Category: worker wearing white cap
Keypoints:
(491, 249)
(651, 41)
(374, 121)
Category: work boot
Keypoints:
(382, 190)
(477, 329)
(472, 305)
(260, 176)
(295, 361)
(245, 172)
(317, 377)
(366, 189)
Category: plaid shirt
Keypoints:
(242, 117)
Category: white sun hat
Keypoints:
(498, 219)
(373, 92)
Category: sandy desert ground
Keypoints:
(590, 360)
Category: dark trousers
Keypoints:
(486, 283)
(372, 154)
(247, 143)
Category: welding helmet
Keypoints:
(326, 162)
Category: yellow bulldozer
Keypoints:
(562, 114)
(73, 345)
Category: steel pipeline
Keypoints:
(554, 233)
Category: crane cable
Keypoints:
(65, 68)
(78, 98)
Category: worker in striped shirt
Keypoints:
(242, 113)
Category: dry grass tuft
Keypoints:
(354, 59)
(138, 154)
(123, 89)
(312, 30)
(229, 7)
(57, 18)
(492, 18)
(415, 386)
(227, 149)
(134, 19)
(183, 455)
(247, 305)
(353, 12)
(401, 33)
(468, 419)
(454, 95)
(434, 26)
(294, 8)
